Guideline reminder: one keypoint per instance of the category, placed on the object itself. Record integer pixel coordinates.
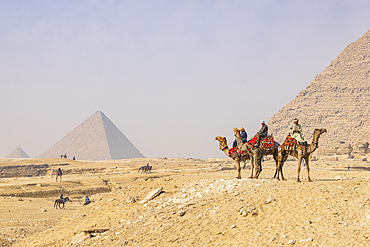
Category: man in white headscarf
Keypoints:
(296, 131)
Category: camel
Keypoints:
(239, 158)
(257, 153)
(300, 154)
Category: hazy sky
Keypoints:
(171, 75)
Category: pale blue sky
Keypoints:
(171, 75)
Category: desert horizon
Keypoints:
(200, 204)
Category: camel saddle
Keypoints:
(235, 151)
(265, 142)
(291, 143)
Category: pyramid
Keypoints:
(97, 138)
(17, 153)
(338, 99)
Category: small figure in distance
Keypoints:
(74, 158)
(87, 201)
(59, 174)
(262, 132)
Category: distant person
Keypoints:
(61, 156)
(296, 132)
(65, 156)
(87, 200)
(243, 135)
(262, 132)
(74, 158)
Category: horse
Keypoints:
(146, 168)
(142, 169)
(59, 174)
(60, 201)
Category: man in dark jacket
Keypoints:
(243, 135)
(262, 132)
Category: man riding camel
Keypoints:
(296, 132)
(262, 132)
(243, 135)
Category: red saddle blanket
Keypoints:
(291, 144)
(233, 152)
(265, 142)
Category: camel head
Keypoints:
(223, 142)
(316, 135)
(237, 133)
(318, 132)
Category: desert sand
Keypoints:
(201, 204)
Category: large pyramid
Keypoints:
(17, 153)
(338, 99)
(97, 138)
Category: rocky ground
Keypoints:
(201, 204)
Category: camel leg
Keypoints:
(259, 167)
(252, 167)
(238, 168)
(276, 169)
(306, 159)
(299, 167)
(283, 159)
(255, 159)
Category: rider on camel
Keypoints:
(296, 132)
(262, 132)
(243, 135)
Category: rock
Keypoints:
(130, 200)
(43, 209)
(273, 239)
(152, 195)
(182, 213)
(233, 226)
(268, 201)
(306, 240)
(79, 238)
(291, 242)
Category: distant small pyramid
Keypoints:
(17, 153)
(97, 138)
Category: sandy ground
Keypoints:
(200, 205)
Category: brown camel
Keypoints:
(257, 153)
(300, 154)
(238, 158)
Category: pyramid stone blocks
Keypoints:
(338, 99)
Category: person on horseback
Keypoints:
(295, 131)
(243, 135)
(61, 198)
(262, 132)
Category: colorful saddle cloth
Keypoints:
(235, 151)
(265, 142)
(291, 143)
